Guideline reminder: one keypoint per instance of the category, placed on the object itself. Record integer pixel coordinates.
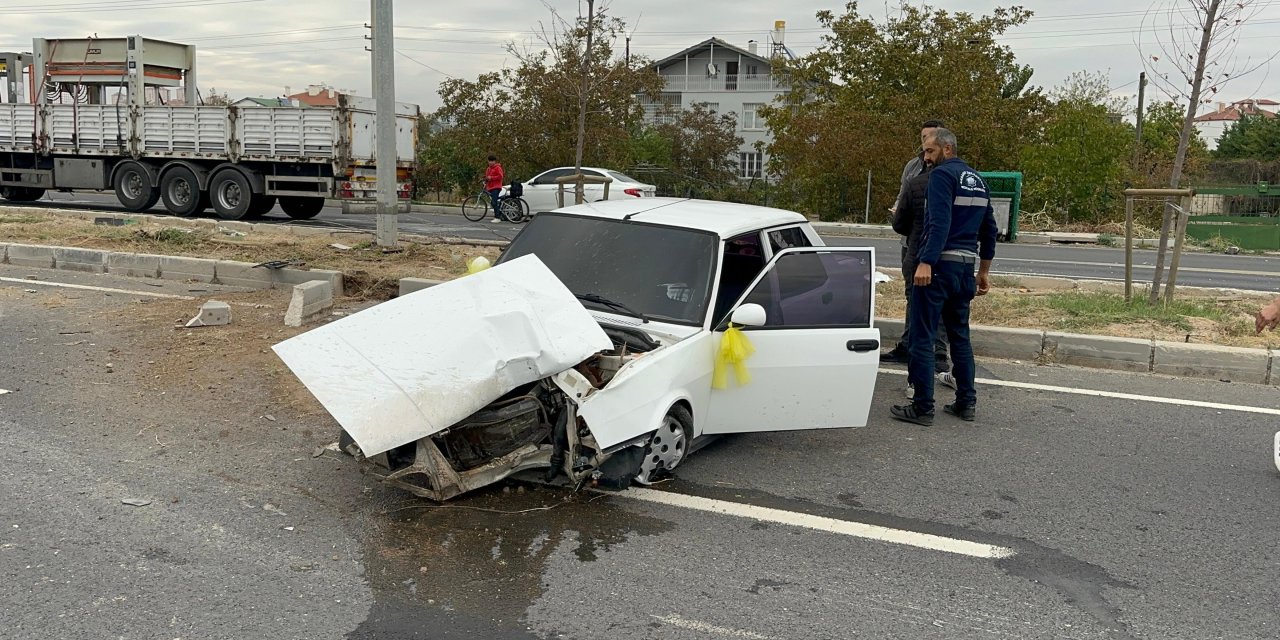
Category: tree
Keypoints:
(1161, 134)
(215, 99)
(1210, 29)
(857, 102)
(530, 115)
(1255, 137)
(693, 148)
(1081, 162)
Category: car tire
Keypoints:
(667, 447)
(181, 194)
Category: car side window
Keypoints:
(588, 172)
(817, 289)
(743, 261)
(549, 177)
(787, 238)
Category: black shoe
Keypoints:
(941, 364)
(964, 413)
(909, 413)
(897, 355)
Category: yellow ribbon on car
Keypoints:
(733, 352)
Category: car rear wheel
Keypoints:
(667, 447)
(180, 191)
(260, 205)
(301, 208)
(133, 187)
(231, 195)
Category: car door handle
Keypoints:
(863, 346)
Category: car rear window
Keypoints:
(621, 177)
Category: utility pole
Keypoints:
(384, 91)
(1137, 145)
(627, 57)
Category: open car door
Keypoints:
(816, 353)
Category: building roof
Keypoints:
(725, 219)
(1239, 109)
(267, 102)
(324, 97)
(707, 44)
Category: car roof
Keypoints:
(725, 219)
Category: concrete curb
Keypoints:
(310, 301)
(1204, 361)
(141, 265)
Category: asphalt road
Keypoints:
(1244, 272)
(1123, 518)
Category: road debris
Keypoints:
(279, 264)
(339, 246)
(269, 417)
(135, 502)
(212, 314)
(4, 391)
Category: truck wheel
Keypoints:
(133, 187)
(300, 208)
(180, 191)
(261, 205)
(21, 194)
(230, 195)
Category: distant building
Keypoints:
(265, 102)
(1212, 124)
(731, 80)
(317, 95)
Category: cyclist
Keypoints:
(493, 179)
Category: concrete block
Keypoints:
(1012, 344)
(1212, 361)
(186, 269)
(134, 265)
(4, 253)
(87, 260)
(243, 274)
(289, 277)
(310, 301)
(409, 285)
(31, 255)
(1101, 352)
(1273, 372)
(212, 314)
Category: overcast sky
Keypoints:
(260, 47)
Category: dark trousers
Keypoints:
(495, 195)
(944, 303)
(939, 343)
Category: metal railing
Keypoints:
(737, 82)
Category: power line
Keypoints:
(419, 62)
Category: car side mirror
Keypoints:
(748, 315)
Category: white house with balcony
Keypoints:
(730, 80)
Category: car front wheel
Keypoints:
(667, 447)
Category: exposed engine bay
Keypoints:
(534, 426)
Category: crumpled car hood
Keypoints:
(416, 365)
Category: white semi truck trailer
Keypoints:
(77, 115)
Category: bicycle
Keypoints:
(514, 208)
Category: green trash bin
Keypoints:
(1006, 199)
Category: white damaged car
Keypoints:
(589, 349)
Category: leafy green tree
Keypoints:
(691, 151)
(528, 115)
(857, 102)
(1081, 161)
(1254, 137)
(1161, 131)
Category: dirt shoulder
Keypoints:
(371, 274)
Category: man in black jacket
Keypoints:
(908, 221)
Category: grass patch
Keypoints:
(172, 237)
(20, 220)
(1091, 310)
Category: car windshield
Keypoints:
(622, 177)
(661, 272)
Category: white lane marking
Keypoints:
(819, 523)
(103, 289)
(1115, 394)
(703, 627)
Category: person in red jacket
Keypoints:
(493, 179)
